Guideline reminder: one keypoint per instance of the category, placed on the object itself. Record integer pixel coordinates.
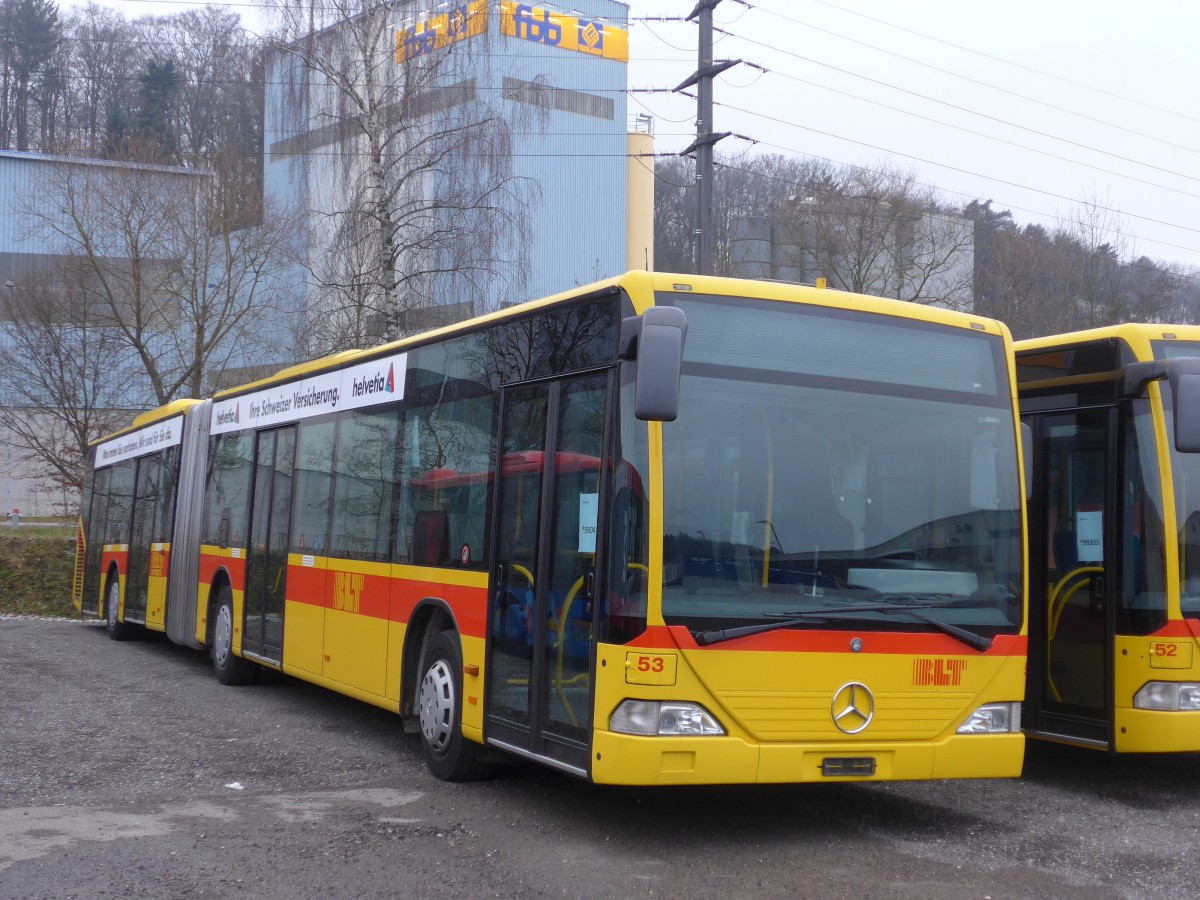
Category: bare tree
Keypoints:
(674, 214)
(418, 156)
(1014, 282)
(163, 261)
(1089, 275)
(101, 66)
(757, 185)
(747, 185)
(877, 231)
(66, 376)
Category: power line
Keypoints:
(966, 172)
(999, 59)
(988, 137)
(961, 195)
(971, 80)
(975, 113)
(947, 166)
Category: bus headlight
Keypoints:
(1168, 695)
(993, 718)
(654, 718)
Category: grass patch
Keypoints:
(36, 567)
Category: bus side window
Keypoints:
(120, 503)
(628, 581)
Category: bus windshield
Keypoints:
(827, 459)
(1185, 473)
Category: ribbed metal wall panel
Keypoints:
(578, 161)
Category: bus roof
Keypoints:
(1137, 335)
(174, 408)
(641, 286)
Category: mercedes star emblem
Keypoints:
(853, 708)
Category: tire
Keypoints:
(230, 668)
(117, 630)
(449, 755)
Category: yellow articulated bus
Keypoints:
(658, 530)
(1113, 418)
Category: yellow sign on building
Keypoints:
(539, 25)
(462, 21)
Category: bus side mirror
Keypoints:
(658, 347)
(1183, 374)
(1185, 393)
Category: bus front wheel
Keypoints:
(230, 668)
(449, 755)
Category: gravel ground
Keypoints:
(126, 770)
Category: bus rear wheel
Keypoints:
(230, 668)
(117, 630)
(449, 755)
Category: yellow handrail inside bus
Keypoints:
(562, 629)
(1059, 598)
(517, 567)
(1058, 602)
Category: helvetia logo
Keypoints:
(230, 416)
(374, 384)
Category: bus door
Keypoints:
(270, 521)
(145, 504)
(541, 610)
(1073, 575)
(97, 518)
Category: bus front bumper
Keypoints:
(633, 760)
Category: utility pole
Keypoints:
(702, 146)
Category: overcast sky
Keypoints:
(1039, 105)
(1036, 105)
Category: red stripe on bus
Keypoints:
(381, 597)
(1178, 628)
(469, 604)
(120, 557)
(210, 565)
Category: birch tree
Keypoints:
(416, 153)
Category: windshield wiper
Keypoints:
(797, 618)
(970, 638)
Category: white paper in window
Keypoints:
(1089, 536)
(589, 507)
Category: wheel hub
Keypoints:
(223, 638)
(437, 706)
